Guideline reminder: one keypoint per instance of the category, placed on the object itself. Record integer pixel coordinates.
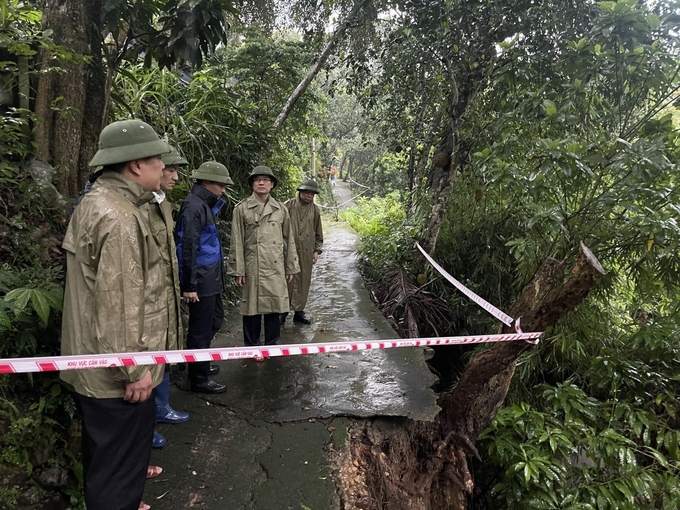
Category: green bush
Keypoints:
(386, 237)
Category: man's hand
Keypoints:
(240, 280)
(289, 278)
(139, 391)
(190, 297)
(316, 257)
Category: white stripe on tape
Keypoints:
(78, 362)
(500, 315)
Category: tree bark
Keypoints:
(350, 166)
(342, 165)
(67, 131)
(427, 146)
(423, 466)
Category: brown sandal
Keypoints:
(153, 471)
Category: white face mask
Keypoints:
(159, 195)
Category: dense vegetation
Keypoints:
(558, 126)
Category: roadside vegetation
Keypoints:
(498, 135)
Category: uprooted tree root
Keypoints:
(404, 464)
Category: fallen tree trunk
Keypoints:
(411, 465)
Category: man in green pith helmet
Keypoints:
(114, 301)
(201, 270)
(305, 217)
(162, 230)
(262, 258)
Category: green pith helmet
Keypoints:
(212, 171)
(309, 185)
(262, 170)
(174, 158)
(127, 140)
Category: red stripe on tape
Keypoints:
(6, 368)
(23, 365)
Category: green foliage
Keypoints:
(201, 118)
(178, 31)
(19, 30)
(30, 307)
(573, 451)
(264, 69)
(219, 113)
(386, 235)
(570, 138)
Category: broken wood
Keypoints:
(427, 462)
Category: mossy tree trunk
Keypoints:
(70, 104)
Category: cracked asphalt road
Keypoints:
(264, 444)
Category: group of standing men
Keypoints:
(128, 269)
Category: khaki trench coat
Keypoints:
(162, 226)
(308, 234)
(114, 299)
(263, 250)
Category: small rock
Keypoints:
(54, 477)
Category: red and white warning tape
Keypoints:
(498, 314)
(81, 362)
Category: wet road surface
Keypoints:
(263, 445)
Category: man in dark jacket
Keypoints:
(201, 272)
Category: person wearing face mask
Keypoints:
(201, 270)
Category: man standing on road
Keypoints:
(305, 217)
(162, 229)
(262, 258)
(201, 270)
(114, 301)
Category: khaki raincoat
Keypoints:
(308, 234)
(263, 250)
(115, 293)
(162, 226)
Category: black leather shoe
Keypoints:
(301, 317)
(282, 318)
(214, 369)
(208, 386)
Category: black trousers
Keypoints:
(116, 451)
(205, 320)
(252, 325)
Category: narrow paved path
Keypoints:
(264, 444)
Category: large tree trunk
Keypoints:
(452, 151)
(423, 466)
(68, 128)
(350, 166)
